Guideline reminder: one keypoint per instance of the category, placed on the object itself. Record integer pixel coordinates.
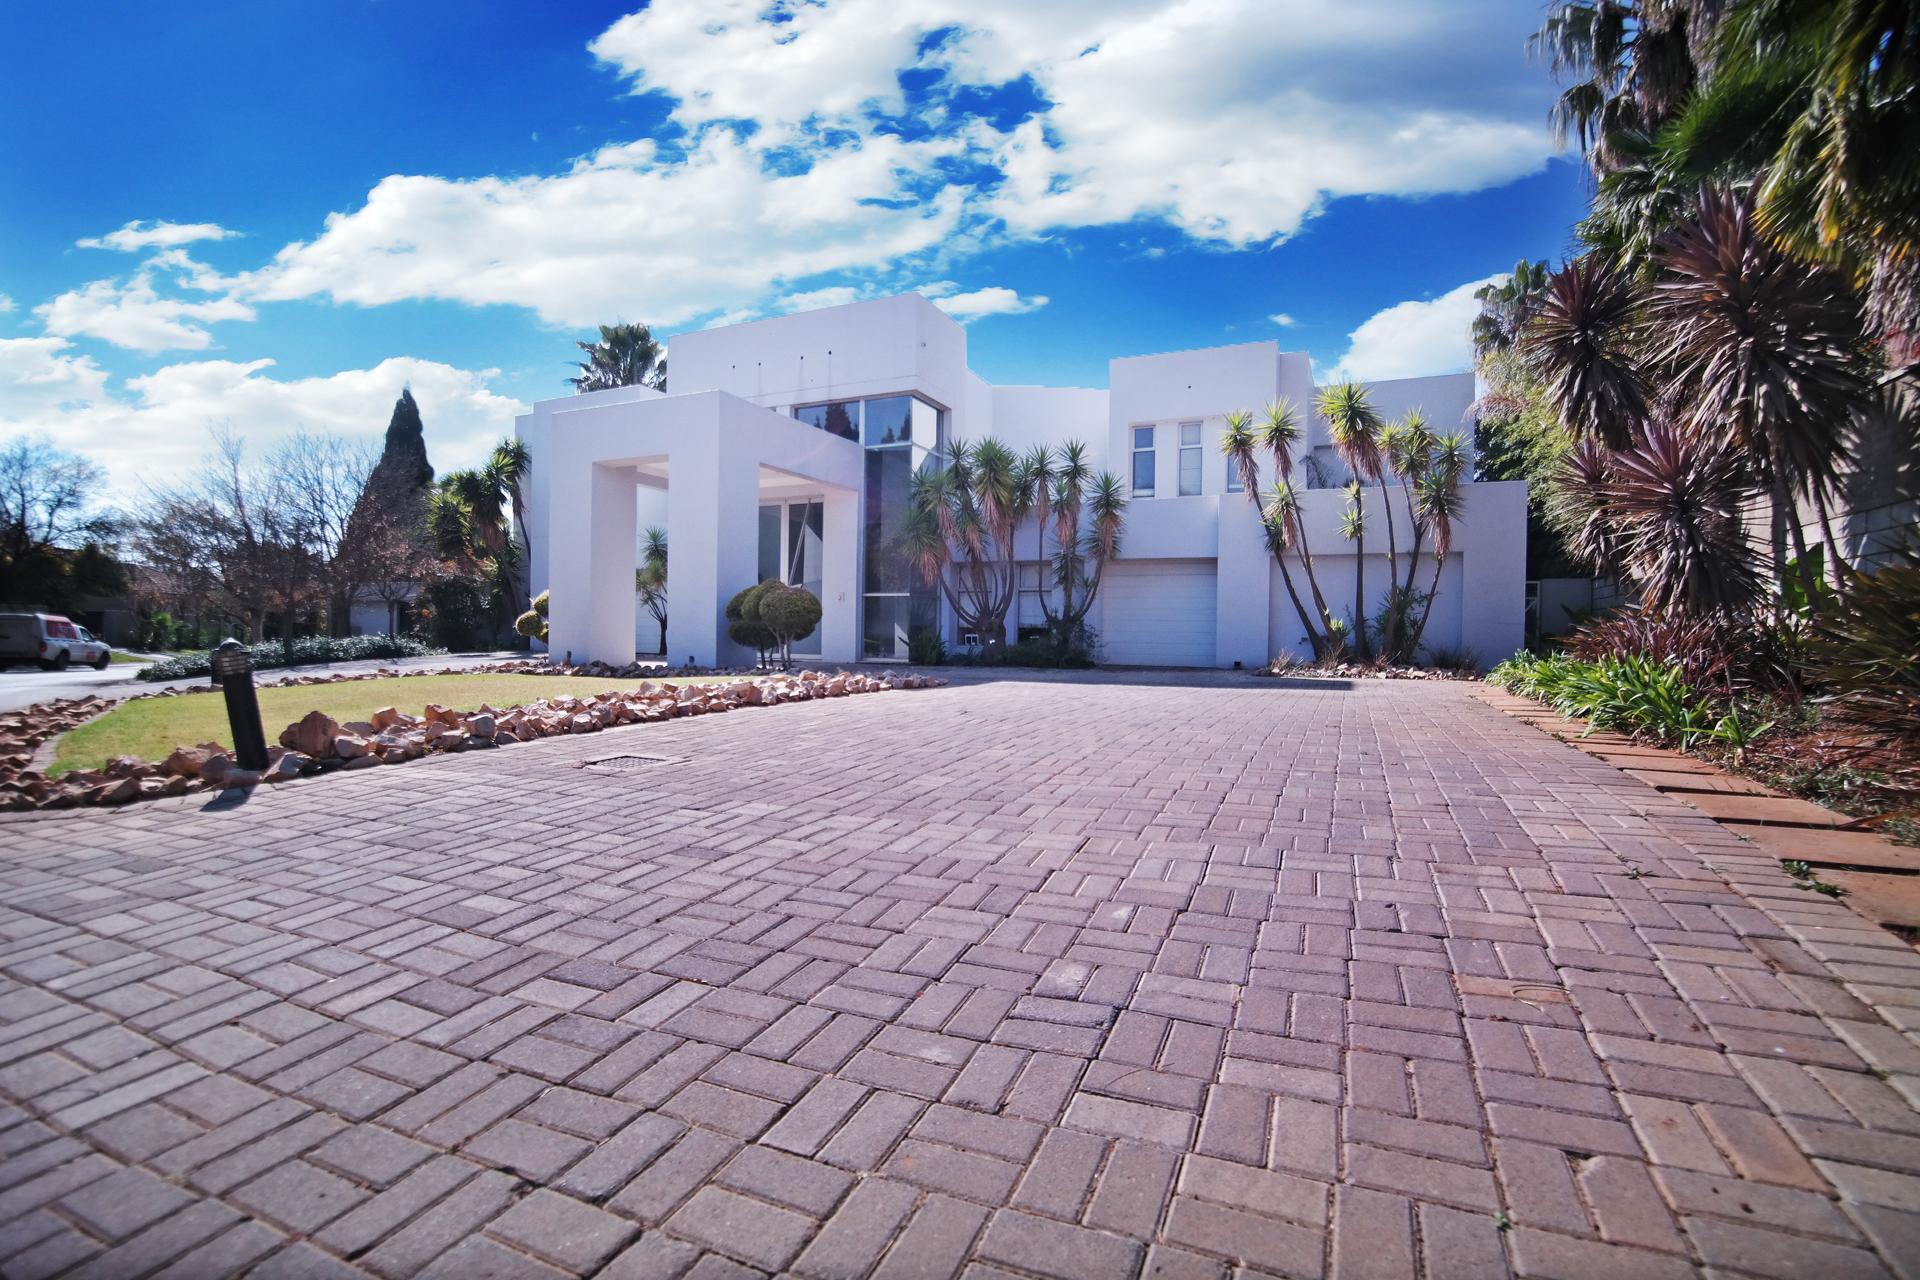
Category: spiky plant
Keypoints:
(1864, 656)
(1674, 500)
(1353, 428)
(1581, 344)
(1764, 352)
(1577, 497)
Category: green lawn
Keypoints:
(152, 727)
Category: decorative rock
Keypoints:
(312, 735)
(350, 746)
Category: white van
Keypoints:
(54, 642)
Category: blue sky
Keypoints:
(268, 216)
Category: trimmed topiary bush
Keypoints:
(533, 623)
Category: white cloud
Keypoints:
(1414, 339)
(1232, 120)
(40, 378)
(1282, 319)
(814, 299)
(157, 430)
(6, 303)
(134, 315)
(138, 235)
(995, 300)
(624, 233)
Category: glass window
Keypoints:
(889, 488)
(1189, 459)
(1233, 477)
(769, 542)
(839, 418)
(926, 425)
(1143, 462)
(888, 422)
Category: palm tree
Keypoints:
(627, 355)
(650, 579)
(1353, 428)
(1505, 307)
(1842, 187)
(509, 467)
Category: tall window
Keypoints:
(1189, 459)
(1143, 462)
(1233, 477)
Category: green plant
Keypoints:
(926, 648)
(1863, 654)
(650, 579)
(533, 623)
(1632, 693)
(744, 626)
(790, 613)
(301, 651)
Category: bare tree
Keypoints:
(319, 480)
(49, 503)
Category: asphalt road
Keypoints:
(24, 686)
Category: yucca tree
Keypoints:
(1764, 353)
(1581, 342)
(962, 514)
(1089, 516)
(1674, 502)
(650, 579)
(1437, 503)
(1282, 429)
(1240, 443)
(1353, 428)
(1035, 478)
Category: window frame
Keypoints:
(1199, 461)
(1151, 450)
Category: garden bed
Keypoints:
(318, 743)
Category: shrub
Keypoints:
(1721, 654)
(306, 651)
(1633, 694)
(1864, 652)
(790, 613)
(744, 626)
(459, 613)
(926, 648)
(533, 623)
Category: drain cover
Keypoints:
(627, 764)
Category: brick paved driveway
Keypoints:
(1052, 979)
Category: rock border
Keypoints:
(317, 744)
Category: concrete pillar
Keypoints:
(840, 577)
(612, 556)
(713, 512)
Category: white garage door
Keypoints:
(1158, 613)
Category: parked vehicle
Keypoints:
(54, 642)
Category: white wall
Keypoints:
(904, 343)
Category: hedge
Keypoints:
(305, 651)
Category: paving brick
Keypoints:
(562, 1230)
(1056, 1249)
(756, 1233)
(864, 1225)
(1110, 999)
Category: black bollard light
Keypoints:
(233, 672)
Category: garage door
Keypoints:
(1158, 613)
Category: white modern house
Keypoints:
(785, 447)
